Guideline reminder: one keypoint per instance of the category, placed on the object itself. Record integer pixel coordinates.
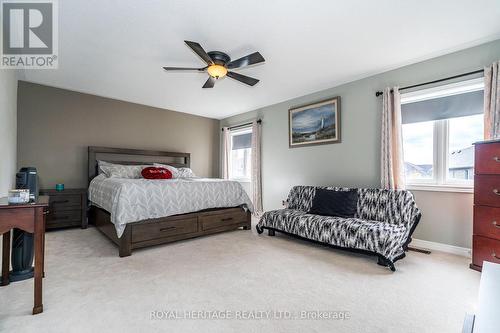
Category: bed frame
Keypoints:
(162, 230)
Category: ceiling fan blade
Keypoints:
(210, 83)
(183, 69)
(243, 78)
(199, 51)
(250, 59)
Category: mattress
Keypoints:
(132, 200)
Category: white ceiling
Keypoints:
(117, 48)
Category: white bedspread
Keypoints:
(132, 200)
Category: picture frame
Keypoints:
(314, 124)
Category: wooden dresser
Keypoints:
(486, 231)
(67, 208)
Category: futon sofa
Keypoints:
(382, 225)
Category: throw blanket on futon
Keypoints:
(382, 224)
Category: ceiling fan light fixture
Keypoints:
(218, 64)
(217, 71)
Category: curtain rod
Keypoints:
(243, 125)
(378, 93)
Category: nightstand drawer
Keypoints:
(65, 202)
(67, 208)
(63, 218)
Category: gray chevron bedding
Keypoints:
(132, 200)
(383, 224)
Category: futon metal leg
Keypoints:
(419, 250)
(387, 263)
(270, 232)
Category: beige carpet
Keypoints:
(88, 288)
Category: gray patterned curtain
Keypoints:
(492, 101)
(392, 165)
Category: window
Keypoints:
(439, 127)
(240, 157)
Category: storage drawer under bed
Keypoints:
(232, 217)
(148, 231)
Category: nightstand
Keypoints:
(67, 208)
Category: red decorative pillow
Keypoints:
(156, 173)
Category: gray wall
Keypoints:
(55, 126)
(8, 106)
(447, 217)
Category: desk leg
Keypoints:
(5, 258)
(43, 248)
(39, 230)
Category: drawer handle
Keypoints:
(495, 224)
(60, 201)
(496, 159)
(494, 255)
(227, 219)
(496, 191)
(167, 229)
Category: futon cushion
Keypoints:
(156, 173)
(335, 203)
(374, 236)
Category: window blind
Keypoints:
(242, 141)
(466, 104)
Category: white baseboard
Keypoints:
(433, 246)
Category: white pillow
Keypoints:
(112, 170)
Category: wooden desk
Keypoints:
(30, 218)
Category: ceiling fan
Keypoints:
(219, 63)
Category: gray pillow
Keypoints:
(112, 170)
(185, 173)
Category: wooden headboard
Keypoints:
(134, 156)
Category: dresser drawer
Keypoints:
(485, 249)
(487, 221)
(487, 159)
(63, 218)
(487, 190)
(237, 216)
(65, 202)
(143, 232)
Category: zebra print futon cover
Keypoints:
(382, 225)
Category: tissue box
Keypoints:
(19, 196)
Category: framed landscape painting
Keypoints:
(314, 124)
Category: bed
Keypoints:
(137, 213)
